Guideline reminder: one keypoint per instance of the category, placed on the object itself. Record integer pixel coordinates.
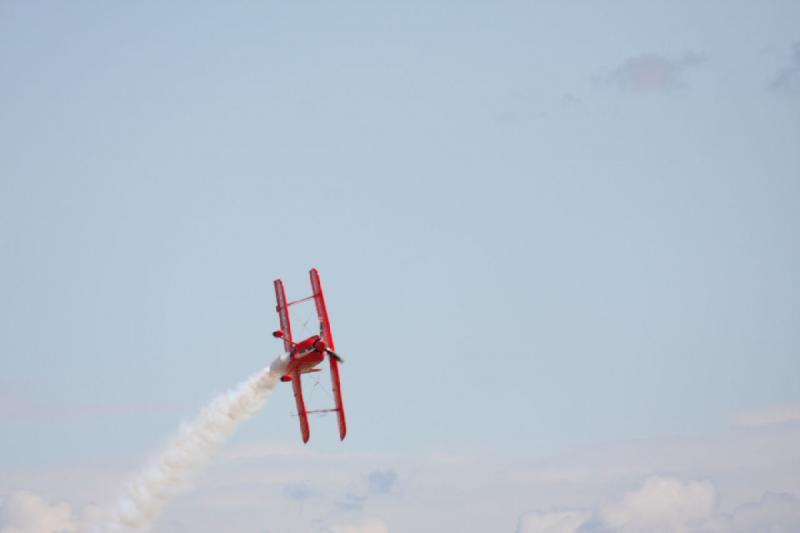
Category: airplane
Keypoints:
(304, 356)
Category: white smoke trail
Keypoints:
(148, 491)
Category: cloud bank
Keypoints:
(669, 505)
(744, 479)
(26, 512)
(661, 504)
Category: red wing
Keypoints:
(283, 314)
(337, 396)
(322, 310)
(327, 336)
(301, 405)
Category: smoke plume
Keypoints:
(148, 491)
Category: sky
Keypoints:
(558, 242)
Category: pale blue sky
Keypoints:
(540, 224)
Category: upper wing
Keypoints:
(327, 336)
(283, 314)
(322, 311)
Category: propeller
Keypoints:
(334, 355)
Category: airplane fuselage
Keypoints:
(305, 356)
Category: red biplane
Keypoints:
(304, 356)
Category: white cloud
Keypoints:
(367, 526)
(662, 504)
(669, 505)
(26, 512)
(551, 522)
